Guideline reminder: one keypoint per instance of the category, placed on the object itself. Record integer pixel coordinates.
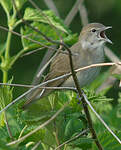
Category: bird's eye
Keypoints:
(93, 30)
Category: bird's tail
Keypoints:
(37, 94)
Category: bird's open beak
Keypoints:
(102, 34)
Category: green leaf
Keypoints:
(48, 31)
(73, 126)
(84, 143)
(107, 141)
(92, 96)
(7, 5)
(47, 17)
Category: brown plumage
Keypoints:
(88, 50)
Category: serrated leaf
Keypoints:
(107, 141)
(48, 31)
(47, 17)
(92, 96)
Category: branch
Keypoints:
(26, 37)
(57, 78)
(86, 111)
(36, 145)
(101, 120)
(42, 87)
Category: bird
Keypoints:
(89, 49)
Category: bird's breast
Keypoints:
(86, 76)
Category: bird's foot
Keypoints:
(79, 98)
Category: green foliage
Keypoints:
(72, 127)
(44, 22)
(49, 32)
(72, 120)
(47, 17)
(108, 142)
(82, 143)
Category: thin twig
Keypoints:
(39, 74)
(98, 116)
(46, 58)
(86, 111)
(25, 37)
(36, 145)
(57, 78)
(72, 139)
(8, 128)
(39, 127)
(65, 75)
(22, 131)
(46, 65)
(56, 133)
(43, 14)
(42, 87)
(48, 53)
(33, 51)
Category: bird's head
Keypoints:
(93, 35)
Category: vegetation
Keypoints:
(70, 125)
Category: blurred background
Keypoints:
(107, 12)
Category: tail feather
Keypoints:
(37, 94)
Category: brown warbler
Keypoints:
(88, 50)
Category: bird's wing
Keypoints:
(59, 66)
